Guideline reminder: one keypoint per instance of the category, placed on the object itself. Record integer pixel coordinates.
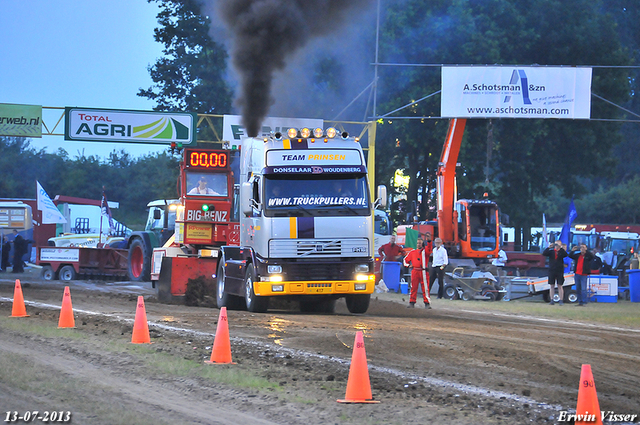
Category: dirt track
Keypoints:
(450, 364)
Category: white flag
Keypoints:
(50, 213)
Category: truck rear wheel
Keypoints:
(67, 273)
(255, 304)
(358, 304)
(48, 273)
(139, 264)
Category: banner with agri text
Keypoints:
(108, 125)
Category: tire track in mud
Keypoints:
(470, 389)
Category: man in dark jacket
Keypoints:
(6, 249)
(19, 249)
(582, 259)
(556, 255)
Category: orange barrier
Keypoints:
(66, 312)
(358, 384)
(140, 326)
(588, 410)
(221, 352)
(18, 309)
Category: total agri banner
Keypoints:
(516, 92)
(108, 125)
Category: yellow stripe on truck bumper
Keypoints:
(293, 227)
(341, 287)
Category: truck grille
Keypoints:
(319, 271)
(318, 248)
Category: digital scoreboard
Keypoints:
(206, 159)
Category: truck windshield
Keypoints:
(294, 195)
(589, 239)
(623, 246)
(483, 227)
(207, 184)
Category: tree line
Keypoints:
(133, 182)
(528, 166)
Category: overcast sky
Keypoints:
(89, 53)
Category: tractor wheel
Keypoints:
(489, 292)
(467, 296)
(139, 263)
(450, 292)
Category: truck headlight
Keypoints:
(305, 133)
(362, 277)
(277, 288)
(331, 132)
(275, 278)
(362, 268)
(360, 286)
(274, 269)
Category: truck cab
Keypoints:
(306, 224)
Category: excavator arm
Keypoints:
(447, 188)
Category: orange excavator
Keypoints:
(469, 228)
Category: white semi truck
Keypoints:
(306, 224)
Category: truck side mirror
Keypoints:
(245, 198)
(157, 214)
(382, 196)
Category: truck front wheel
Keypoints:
(358, 304)
(255, 304)
(139, 261)
(223, 298)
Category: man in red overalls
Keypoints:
(418, 261)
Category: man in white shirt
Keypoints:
(499, 262)
(607, 261)
(440, 261)
(202, 188)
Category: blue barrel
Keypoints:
(391, 275)
(634, 285)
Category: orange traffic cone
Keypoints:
(66, 313)
(140, 325)
(358, 385)
(221, 352)
(18, 309)
(588, 410)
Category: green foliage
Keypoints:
(525, 158)
(619, 204)
(132, 183)
(191, 75)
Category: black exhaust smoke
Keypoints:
(267, 32)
